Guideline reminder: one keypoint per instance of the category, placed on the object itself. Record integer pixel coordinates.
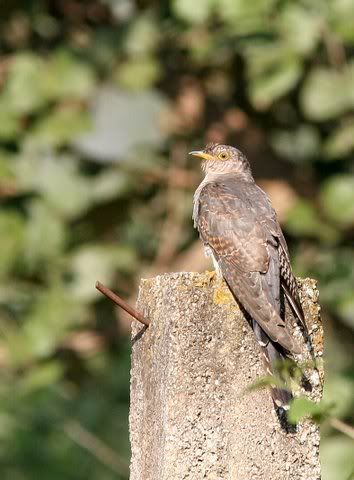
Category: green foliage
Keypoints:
(274, 78)
(339, 458)
(273, 72)
(341, 142)
(138, 74)
(328, 93)
(265, 381)
(197, 12)
(303, 407)
(299, 146)
(59, 127)
(304, 219)
(12, 241)
(337, 197)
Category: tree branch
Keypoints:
(78, 434)
(342, 427)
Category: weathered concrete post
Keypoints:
(190, 417)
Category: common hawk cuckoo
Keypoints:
(240, 230)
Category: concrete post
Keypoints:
(190, 416)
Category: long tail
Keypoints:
(273, 355)
(272, 358)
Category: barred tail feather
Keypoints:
(296, 306)
(272, 357)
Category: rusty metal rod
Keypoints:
(122, 303)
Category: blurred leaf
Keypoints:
(7, 425)
(341, 20)
(143, 36)
(201, 44)
(303, 407)
(193, 12)
(303, 219)
(32, 82)
(97, 262)
(23, 90)
(328, 93)
(110, 184)
(12, 240)
(299, 145)
(300, 26)
(243, 15)
(59, 127)
(10, 125)
(56, 178)
(341, 141)
(52, 317)
(339, 391)
(265, 381)
(67, 77)
(346, 311)
(138, 74)
(6, 166)
(122, 120)
(267, 88)
(332, 267)
(337, 458)
(273, 71)
(41, 376)
(337, 199)
(43, 224)
(47, 26)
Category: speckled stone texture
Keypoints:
(190, 417)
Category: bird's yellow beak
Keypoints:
(201, 154)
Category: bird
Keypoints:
(240, 231)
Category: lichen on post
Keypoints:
(191, 415)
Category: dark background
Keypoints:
(100, 101)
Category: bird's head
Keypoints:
(219, 158)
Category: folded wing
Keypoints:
(244, 238)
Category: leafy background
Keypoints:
(100, 101)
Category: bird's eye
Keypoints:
(223, 155)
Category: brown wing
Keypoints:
(288, 281)
(232, 221)
(268, 218)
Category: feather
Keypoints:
(237, 222)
